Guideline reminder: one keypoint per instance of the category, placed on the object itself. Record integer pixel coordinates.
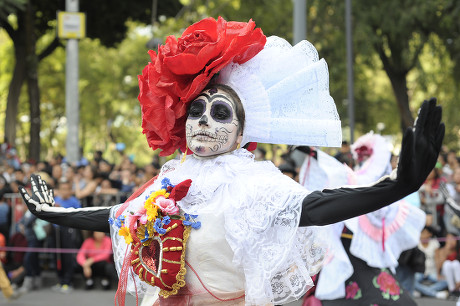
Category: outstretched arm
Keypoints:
(41, 204)
(419, 152)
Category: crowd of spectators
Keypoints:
(89, 182)
(97, 182)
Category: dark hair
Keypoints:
(63, 181)
(240, 115)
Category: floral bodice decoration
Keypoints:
(158, 235)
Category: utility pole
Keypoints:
(72, 107)
(351, 95)
(300, 20)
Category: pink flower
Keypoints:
(387, 283)
(142, 215)
(167, 206)
(352, 290)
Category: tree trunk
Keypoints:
(35, 122)
(399, 85)
(19, 75)
(32, 85)
(397, 75)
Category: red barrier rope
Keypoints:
(51, 250)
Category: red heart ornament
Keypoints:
(160, 261)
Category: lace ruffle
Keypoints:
(285, 93)
(262, 209)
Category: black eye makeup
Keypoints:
(197, 109)
(221, 112)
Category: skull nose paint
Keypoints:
(203, 120)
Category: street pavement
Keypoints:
(79, 297)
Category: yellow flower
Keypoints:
(152, 212)
(124, 231)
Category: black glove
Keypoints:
(41, 204)
(419, 152)
(420, 147)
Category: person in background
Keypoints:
(260, 154)
(56, 173)
(95, 258)
(437, 285)
(86, 185)
(432, 199)
(287, 167)
(15, 260)
(66, 238)
(32, 279)
(447, 264)
(12, 158)
(345, 156)
(97, 157)
(452, 160)
(8, 292)
(5, 212)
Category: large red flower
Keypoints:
(181, 70)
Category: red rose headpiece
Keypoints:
(182, 69)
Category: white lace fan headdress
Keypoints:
(284, 90)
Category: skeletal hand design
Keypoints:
(42, 196)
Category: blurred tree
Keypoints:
(34, 19)
(398, 36)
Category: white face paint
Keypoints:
(212, 125)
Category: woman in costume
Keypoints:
(218, 227)
(360, 265)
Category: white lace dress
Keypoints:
(249, 242)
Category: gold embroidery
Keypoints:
(140, 274)
(172, 238)
(135, 261)
(172, 261)
(180, 277)
(171, 227)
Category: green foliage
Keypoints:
(110, 112)
(8, 7)
(416, 29)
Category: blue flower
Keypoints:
(190, 220)
(146, 236)
(196, 225)
(158, 226)
(165, 183)
(166, 220)
(118, 221)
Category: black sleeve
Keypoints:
(91, 219)
(334, 205)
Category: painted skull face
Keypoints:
(212, 125)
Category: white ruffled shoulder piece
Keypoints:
(325, 172)
(285, 93)
(262, 210)
(381, 236)
(378, 164)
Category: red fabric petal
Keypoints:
(252, 146)
(180, 190)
